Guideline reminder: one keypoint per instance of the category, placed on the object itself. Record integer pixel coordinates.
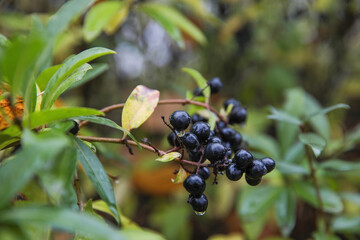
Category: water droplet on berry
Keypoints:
(116, 181)
(199, 213)
(221, 172)
(180, 133)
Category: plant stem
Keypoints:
(316, 184)
(168, 101)
(78, 191)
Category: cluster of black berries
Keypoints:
(215, 85)
(223, 147)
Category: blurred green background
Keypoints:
(267, 53)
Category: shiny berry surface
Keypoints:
(243, 158)
(252, 182)
(194, 184)
(204, 172)
(180, 120)
(233, 172)
(238, 115)
(199, 203)
(256, 170)
(201, 130)
(232, 101)
(215, 85)
(269, 163)
(227, 134)
(215, 152)
(190, 141)
(172, 139)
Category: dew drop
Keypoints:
(199, 213)
(180, 133)
(222, 172)
(116, 181)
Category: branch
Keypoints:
(78, 191)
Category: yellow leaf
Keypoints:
(168, 157)
(180, 177)
(139, 106)
(117, 19)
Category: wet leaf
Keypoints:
(139, 106)
(180, 177)
(169, 157)
(200, 80)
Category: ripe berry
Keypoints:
(180, 120)
(256, 170)
(252, 182)
(236, 140)
(198, 92)
(215, 152)
(75, 129)
(197, 118)
(233, 172)
(227, 134)
(220, 125)
(215, 85)
(269, 164)
(204, 172)
(201, 130)
(172, 139)
(237, 115)
(214, 139)
(232, 101)
(194, 155)
(190, 141)
(243, 158)
(198, 202)
(194, 184)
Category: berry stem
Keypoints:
(316, 184)
(162, 102)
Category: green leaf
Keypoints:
(326, 110)
(295, 153)
(71, 221)
(56, 177)
(290, 169)
(169, 157)
(36, 151)
(346, 224)
(139, 106)
(141, 234)
(314, 141)
(169, 27)
(97, 175)
(45, 76)
(251, 206)
(70, 10)
(39, 118)
(200, 80)
(98, 17)
(340, 165)
(4, 42)
(285, 211)
(9, 136)
(68, 68)
(265, 144)
(325, 236)
(75, 76)
(320, 123)
(97, 70)
(283, 116)
(331, 201)
(212, 120)
(109, 123)
(174, 17)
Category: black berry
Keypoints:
(243, 158)
(215, 152)
(75, 129)
(194, 184)
(180, 120)
(227, 134)
(214, 139)
(204, 172)
(220, 125)
(215, 85)
(238, 115)
(256, 170)
(172, 139)
(232, 101)
(201, 130)
(198, 202)
(194, 155)
(269, 164)
(190, 141)
(233, 172)
(197, 118)
(252, 182)
(236, 141)
(198, 92)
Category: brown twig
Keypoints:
(316, 184)
(164, 102)
(78, 191)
